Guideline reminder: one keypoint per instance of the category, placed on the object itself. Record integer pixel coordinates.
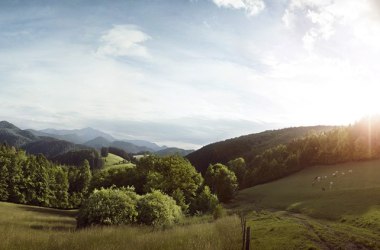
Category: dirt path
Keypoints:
(323, 242)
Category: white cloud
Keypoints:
(124, 40)
(252, 7)
(323, 18)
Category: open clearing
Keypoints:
(340, 210)
(114, 160)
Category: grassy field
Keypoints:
(341, 210)
(28, 227)
(114, 160)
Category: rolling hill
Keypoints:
(173, 151)
(341, 210)
(13, 136)
(51, 147)
(77, 136)
(247, 146)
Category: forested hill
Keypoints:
(12, 135)
(248, 146)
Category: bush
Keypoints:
(218, 212)
(158, 209)
(222, 181)
(108, 207)
(204, 202)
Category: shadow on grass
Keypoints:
(54, 228)
(50, 211)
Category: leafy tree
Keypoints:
(109, 207)
(239, 167)
(170, 174)
(104, 152)
(222, 181)
(119, 176)
(203, 202)
(79, 183)
(158, 209)
(59, 185)
(4, 163)
(180, 199)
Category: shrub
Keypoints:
(204, 202)
(109, 207)
(218, 212)
(158, 209)
(222, 181)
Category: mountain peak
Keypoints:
(5, 124)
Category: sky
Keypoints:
(188, 72)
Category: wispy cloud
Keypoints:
(124, 40)
(252, 7)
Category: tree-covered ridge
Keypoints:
(247, 146)
(357, 142)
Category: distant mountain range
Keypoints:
(54, 142)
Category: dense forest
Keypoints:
(357, 142)
(248, 146)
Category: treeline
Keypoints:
(172, 175)
(117, 151)
(77, 157)
(360, 141)
(34, 180)
(247, 146)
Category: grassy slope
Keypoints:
(28, 227)
(113, 160)
(347, 215)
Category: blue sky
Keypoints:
(190, 72)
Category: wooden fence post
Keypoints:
(248, 239)
(243, 231)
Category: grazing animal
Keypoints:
(350, 171)
(334, 174)
(343, 173)
(331, 185)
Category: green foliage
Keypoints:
(4, 164)
(104, 152)
(353, 143)
(180, 199)
(76, 158)
(203, 202)
(248, 146)
(32, 179)
(79, 183)
(239, 167)
(120, 152)
(108, 207)
(222, 181)
(119, 176)
(170, 174)
(219, 212)
(158, 209)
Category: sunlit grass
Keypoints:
(114, 160)
(26, 227)
(293, 212)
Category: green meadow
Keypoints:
(29, 227)
(338, 210)
(323, 207)
(114, 160)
